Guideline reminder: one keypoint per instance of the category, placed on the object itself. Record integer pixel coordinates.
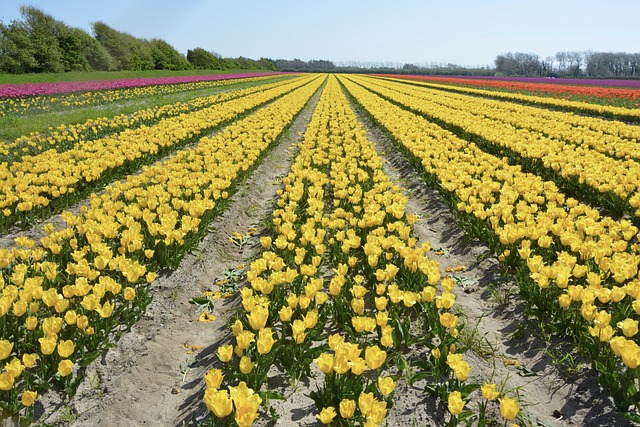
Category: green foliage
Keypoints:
(204, 60)
(40, 44)
(128, 52)
(166, 57)
(45, 46)
(16, 49)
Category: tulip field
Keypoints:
(343, 297)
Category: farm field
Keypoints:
(311, 249)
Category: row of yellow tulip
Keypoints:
(66, 101)
(612, 137)
(566, 249)
(543, 101)
(60, 301)
(339, 212)
(518, 131)
(65, 136)
(36, 181)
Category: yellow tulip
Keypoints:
(455, 403)
(218, 402)
(347, 408)
(265, 341)
(509, 408)
(6, 381)
(489, 391)
(375, 357)
(5, 349)
(28, 397)
(325, 362)
(246, 365)
(386, 385)
(327, 415)
(29, 359)
(66, 348)
(213, 378)
(225, 352)
(65, 367)
(629, 327)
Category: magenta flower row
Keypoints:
(48, 88)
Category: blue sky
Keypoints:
(463, 32)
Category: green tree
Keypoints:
(166, 57)
(128, 52)
(110, 39)
(204, 60)
(43, 33)
(16, 49)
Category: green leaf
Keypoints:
(271, 395)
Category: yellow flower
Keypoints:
(106, 310)
(358, 365)
(325, 363)
(321, 298)
(14, 368)
(265, 241)
(205, 316)
(236, 328)
(461, 370)
(386, 385)
(436, 353)
(65, 367)
(129, 293)
(509, 408)
(246, 403)
(366, 402)
(489, 391)
(347, 408)
(213, 378)
(286, 313)
(31, 323)
(225, 352)
(48, 344)
(29, 359)
(265, 341)
(218, 402)
(70, 317)
(246, 365)
(455, 403)
(82, 322)
(258, 317)
(564, 300)
(52, 325)
(66, 348)
(327, 415)
(298, 327)
(6, 381)
(448, 320)
(375, 357)
(629, 327)
(630, 353)
(5, 349)
(244, 339)
(28, 397)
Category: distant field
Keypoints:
(106, 75)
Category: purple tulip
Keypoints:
(49, 88)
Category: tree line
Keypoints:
(38, 43)
(570, 64)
